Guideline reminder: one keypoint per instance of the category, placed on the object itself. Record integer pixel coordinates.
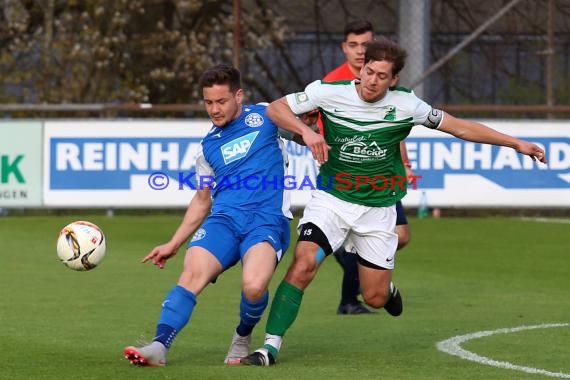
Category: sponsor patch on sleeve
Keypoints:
(301, 97)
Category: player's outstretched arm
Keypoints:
(280, 112)
(477, 132)
(196, 212)
(309, 119)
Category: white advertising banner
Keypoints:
(120, 163)
(20, 164)
(149, 164)
(458, 173)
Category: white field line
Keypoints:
(452, 346)
(546, 220)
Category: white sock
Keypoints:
(273, 340)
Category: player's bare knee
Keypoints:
(304, 267)
(185, 278)
(302, 271)
(375, 282)
(193, 281)
(375, 298)
(254, 292)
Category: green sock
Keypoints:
(284, 309)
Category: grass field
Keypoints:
(458, 276)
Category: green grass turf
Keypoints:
(457, 276)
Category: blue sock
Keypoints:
(250, 313)
(176, 311)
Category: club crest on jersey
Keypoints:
(238, 148)
(254, 120)
(199, 235)
(390, 113)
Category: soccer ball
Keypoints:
(81, 245)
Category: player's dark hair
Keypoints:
(384, 49)
(221, 74)
(358, 27)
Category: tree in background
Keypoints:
(103, 51)
(97, 51)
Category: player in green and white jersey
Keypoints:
(364, 140)
(364, 122)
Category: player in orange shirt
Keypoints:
(356, 35)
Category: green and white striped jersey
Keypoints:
(364, 166)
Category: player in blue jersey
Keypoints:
(239, 213)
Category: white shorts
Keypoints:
(368, 231)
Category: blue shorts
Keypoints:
(228, 236)
(400, 214)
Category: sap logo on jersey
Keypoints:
(238, 148)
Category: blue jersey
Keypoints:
(247, 165)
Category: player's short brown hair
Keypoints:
(221, 74)
(384, 49)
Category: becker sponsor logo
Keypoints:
(358, 149)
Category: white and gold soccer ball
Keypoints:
(81, 245)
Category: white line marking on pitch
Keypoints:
(452, 346)
(545, 220)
